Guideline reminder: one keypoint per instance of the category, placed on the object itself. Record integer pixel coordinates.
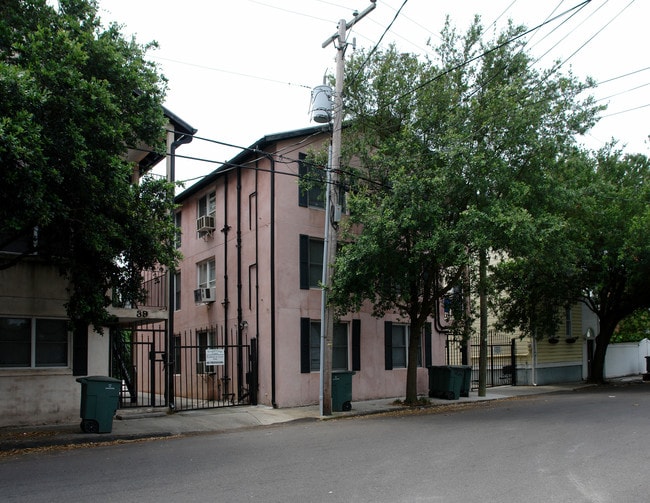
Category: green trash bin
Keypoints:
(467, 379)
(99, 400)
(445, 381)
(342, 390)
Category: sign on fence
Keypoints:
(215, 356)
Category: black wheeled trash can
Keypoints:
(342, 390)
(99, 400)
(445, 381)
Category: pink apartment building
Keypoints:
(252, 245)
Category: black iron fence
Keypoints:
(213, 370)
(138, 360)
(208, 369)
(501, 358)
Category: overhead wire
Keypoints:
(567, 35)
(578, 7)
(289, 160)
(485, 53)
(376, 46)
(597, 33)
(230, 72)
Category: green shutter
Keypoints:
(388, 345)
(305, 357)
(304, 262)
(356, 344)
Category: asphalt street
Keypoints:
(589, 445)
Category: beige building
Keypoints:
(41, 356)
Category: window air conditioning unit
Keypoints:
(205, 223)
(202, 295)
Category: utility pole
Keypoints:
(332, 209)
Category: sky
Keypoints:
(238, 70)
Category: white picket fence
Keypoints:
(626, 359)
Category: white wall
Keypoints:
(625, 359)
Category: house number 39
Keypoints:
(142, 314)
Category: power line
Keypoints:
(379, 41)
(485, 53)
(624, 75)
(626, 111)
(597, 33)
(567, 35)
(239, 74)
(623, 92)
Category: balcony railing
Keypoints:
(155, 285)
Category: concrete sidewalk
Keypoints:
(137, 424)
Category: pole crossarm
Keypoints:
(357, 17)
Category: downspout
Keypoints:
(239, 289)
(225, 230)
(257, 275)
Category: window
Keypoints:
(204, 340)
(568, 331)
(206, 272)
(312, 187)
(33, 342)
(399, 345)
(396, 337)
(206, 206)
(310, 346)
(177, 291)
(311, 262)
(339, 346)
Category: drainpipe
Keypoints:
(239, 289)
(225, 230)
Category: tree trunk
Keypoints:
(602, 341)
(412, 364)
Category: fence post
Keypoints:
(252, 385)
(513, 360)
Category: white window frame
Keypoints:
(206, 274)
(206, 205)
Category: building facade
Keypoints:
(41, 354)
(252, 245)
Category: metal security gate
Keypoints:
(502, 360)
(210, 370)
(138, 360)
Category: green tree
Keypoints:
(73, 96)
(458, 151)
(599, 256)
(634, 328)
